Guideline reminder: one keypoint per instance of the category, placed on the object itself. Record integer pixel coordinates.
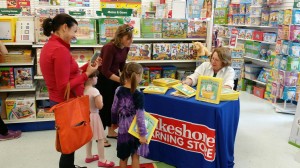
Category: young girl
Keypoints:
(129, 102)
(98, 132)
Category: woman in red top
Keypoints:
(114, 55)
(59, 68)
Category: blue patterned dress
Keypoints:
(125, 106)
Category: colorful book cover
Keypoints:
(174, 28)
(139, 52)
(23, 77)
(197, 29)
(295, 33)
(150, 122)
(289, 93)
(290, 78)
(179, 94)
(179, 51)
(281, 76)
(151, 28)
(185, 89)
(292, 63)
(287, 16)
(165, 82)
(155, 89)
(161, 51)
(7, 77)
(209, 89)
(85, 32)
(108, 27)
(40, 37)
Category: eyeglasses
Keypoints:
(129, 29)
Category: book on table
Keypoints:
(155, 89)
(184, 89)
(209, 89)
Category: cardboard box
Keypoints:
(20, 106)
(259, 92)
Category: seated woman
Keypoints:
(219, 66)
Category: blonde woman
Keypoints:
(114, 55)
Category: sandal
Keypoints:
(106, 144)
(94, 158)
(106, 164)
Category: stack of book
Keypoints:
(228, 94)
(183, 90)
(155, 89)
(165, 82)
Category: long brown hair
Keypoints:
(224, 56)
(123, 30)
(130, 71)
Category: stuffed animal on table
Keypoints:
(200, 49)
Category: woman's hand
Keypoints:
(143, 140)
(188, 81)
(91, 68)
(98, 61)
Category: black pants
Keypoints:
(107, 89)
(67, 160)
(3, 127)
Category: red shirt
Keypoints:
(113, 59)
(59, 68)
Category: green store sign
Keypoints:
(297, 4)
(76, 13)
(5, 11)
(116, 12)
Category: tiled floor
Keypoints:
(262, 142)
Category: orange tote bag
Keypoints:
(72, 123)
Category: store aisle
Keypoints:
(261, 142)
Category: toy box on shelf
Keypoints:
(82, 55)
(197, 29)
(107, 28)
(17, 56)
(7, 28)
(161, 51)
(155, 72)
(151, 28)
(7, 80)
(146, 77)
(174, 28)
(258, 91)
(20, 106)
(179, 51)
(140, 52)
(169, 71)
(220, 16)
(85, 32)
(23, 77)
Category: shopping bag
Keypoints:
(72, 123)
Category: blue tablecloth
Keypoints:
(201, 119)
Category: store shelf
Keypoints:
(166, 39)
(162, 61)
(18, 63)
(250, 26)
(17, 44)
(257, 81)
(272, 43)
(28, 120)
(72, 45)
(38, 77)
(18, 90)
(256, 59)
(42, 98)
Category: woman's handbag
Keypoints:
(72, 123)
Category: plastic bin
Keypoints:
(155, 72)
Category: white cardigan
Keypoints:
(205, 69)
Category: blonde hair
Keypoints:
(130, 71)
(123, 30)
(224, 55)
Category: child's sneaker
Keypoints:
(10, 135)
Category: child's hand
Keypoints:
(143, 140)
(91, 69)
